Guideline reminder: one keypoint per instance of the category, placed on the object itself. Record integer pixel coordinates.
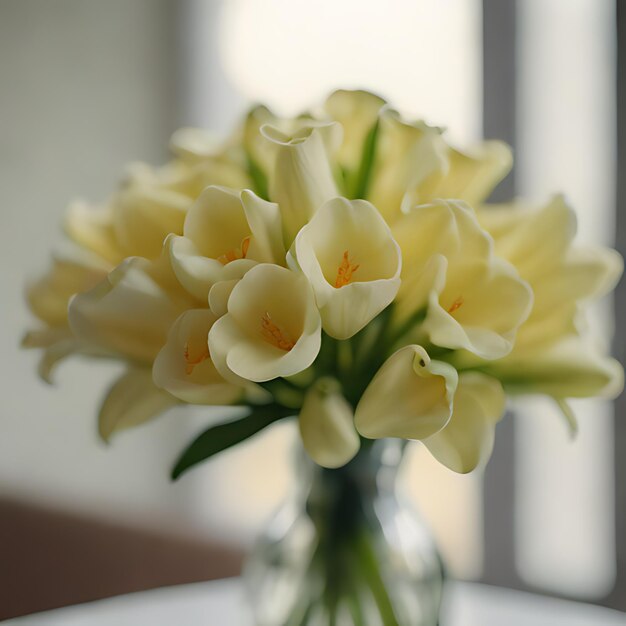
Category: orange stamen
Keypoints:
(235, 253)
(274, 334)
(192, 361)
(457, 304)
(345, 271)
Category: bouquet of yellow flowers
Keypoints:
(340, 267)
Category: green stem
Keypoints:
(375, 581)
(405, 327)
(355, 609)
(366, 166)
(259, 179)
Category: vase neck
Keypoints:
(350, 491)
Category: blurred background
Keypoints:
(87, 86)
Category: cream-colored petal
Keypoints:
(128, 313)
(225, 227)
(480, 308)
(410, 397)
(93, 229)
(569, 368)
(326, 425)
(531, 239)
(467, 440)
(302, 178)
(583, 273)
(54, 354)
(184, 368)
(58, 343)
(416, 289)
(45, 337)
(196, 273)
(353, 263)
(272, 327)
(219, 295)
(471, 175)
(131, 401)
(216, 223)
(193, 144)
(261, 362)
(407, 154)
(357, 112)
(265, 223)
(73, 270)
(260, 151)
(144, 216)
(446, 227)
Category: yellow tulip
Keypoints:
(413, 164)
(470, 175)
(352, 261)
(302, 178)
(224, 229)
(183, 367)
(272, 327)
(473, 300)
(130, 312)
(467, 439)
(410, 396)
(326, 425)
(407, 154)
(539, 243)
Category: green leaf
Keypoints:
(259, 179)
(367, 163)
(221, 437)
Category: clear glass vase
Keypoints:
(346, 549)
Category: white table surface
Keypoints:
(222, 603)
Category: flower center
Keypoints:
(457, 304)
(274, 334)
(235, 253)
(345, 270)
(195, 357)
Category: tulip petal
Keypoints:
(569, 368)
(196, 272)
(143, 216)
(183, 366)
(410, 397)
(131, 401)
(128, 313)
(467, 439)
(73, 270)
(92, 228)
(272, 327)
(472, 175)
(480, 308)
(357, 112)
(302, 178)
(407, 154)
(326, 425)
(349, 237)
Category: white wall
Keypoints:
(86, 86)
